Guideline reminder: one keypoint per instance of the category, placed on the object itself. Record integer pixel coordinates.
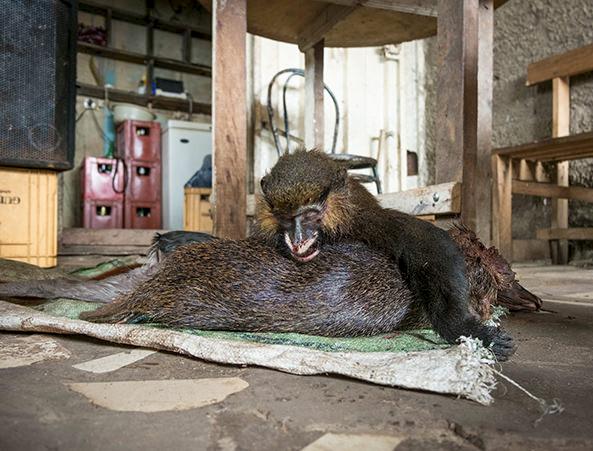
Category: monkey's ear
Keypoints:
(264, 183)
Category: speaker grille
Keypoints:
(37, 83)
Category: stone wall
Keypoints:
(526, 32)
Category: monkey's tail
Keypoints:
(122, 310)
(84, 290)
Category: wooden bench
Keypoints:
(519, 170)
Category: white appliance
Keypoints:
(185, 144)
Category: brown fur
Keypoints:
(248, 286)
(315, 203)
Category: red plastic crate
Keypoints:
(144, 181)
(139, 140)
(100, 214)
(97, 179)
(142, 215)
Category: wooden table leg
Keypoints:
(314, 125)
(560, 127)
(464, 125)
(502, 205)
(229, 118)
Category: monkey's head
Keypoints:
(305, 203)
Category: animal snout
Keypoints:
(302, 246)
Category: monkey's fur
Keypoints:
(309, 201)
(247, 286)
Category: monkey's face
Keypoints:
(302, 205)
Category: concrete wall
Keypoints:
(126, 76)
(528, 31)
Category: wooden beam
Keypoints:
(482, 198)
(108, 237)
(457, 155)
(585, 233)
(314, 113)
(502, 205)
(229, 117)
(139, 58)
(431, 200)
(567, 64)
(417, 7)
(552, 149)
(560, 127)
(553, 191)
(158, 102)
(92, 7)
(444, 199)
(316, 30)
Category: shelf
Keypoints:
(139, 58)
(158, 102)
(570, 147)
(141, 19)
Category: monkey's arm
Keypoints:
(434, 268)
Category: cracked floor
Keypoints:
(72, 393)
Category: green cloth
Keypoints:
(400, 341)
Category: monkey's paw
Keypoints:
(502, 346)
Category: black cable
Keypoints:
(126, 176)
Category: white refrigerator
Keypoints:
(185, 144)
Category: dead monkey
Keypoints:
(309, 201)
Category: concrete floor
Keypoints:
(277, 411)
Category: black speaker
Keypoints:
(37, 83)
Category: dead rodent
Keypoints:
(247, 286)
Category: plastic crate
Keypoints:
(144, 181)
(142, 215)
(103, 214)
(98, 179)
(139, 140)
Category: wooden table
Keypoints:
(464, 88)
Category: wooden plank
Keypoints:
(108, 237)
(568, 147)
(416, 7)
(457, 156)
(123, 15)
(314, 113)
(139, 58)
(316, 30)
(444, 199)
(585, 233)
(482, 192)
(439, 199)
(229, 117)
(560, 127)
(159, 102)
(552, 190)
(502, 205)
(567, 64)
(79, 249)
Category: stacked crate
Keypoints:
(139, 146)
(103, 205)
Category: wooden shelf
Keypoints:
(571, 147)
(158, 102)
(139, 58)
(141, 19)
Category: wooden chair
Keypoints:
(518, 169)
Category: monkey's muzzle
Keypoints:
(302, 250)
